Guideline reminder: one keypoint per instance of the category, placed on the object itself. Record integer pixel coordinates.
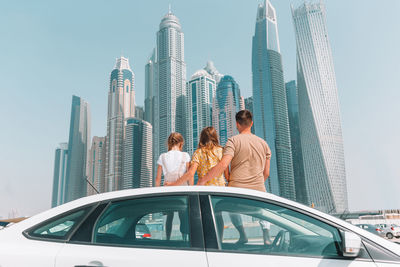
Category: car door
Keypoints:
(272, 235)
(158, 230)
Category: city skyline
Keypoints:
(218, 62)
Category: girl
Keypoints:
(173, 165)
(207, 155)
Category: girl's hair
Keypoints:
(208, 139)
(175, 139)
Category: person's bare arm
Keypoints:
(216, 170)
(191, 177)
(188, 176)
(266, 169)
(158, 177)
(226, 174)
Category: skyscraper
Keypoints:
(320, 125)
(138, 156)
(150, 76)
(121, 99)
(60, 170)
(78, 146)
(210, 68)
(150, 102)
(96, 159)
(139, 112)
(270, 108)
(226, 104)
(200, 93)
(170, 86)
(298, 167)
(248, 104)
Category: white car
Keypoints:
(190, 226)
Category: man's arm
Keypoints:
(188, 176)
(266, 168)
(216, 170)
(158, 177)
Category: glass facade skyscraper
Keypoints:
(60, 170)
(137, 156)
(212, 70)
(170, 86)
(150, 75)
(200, 93)
(121, 105)
(270, 108)
(320, 125)
(248, 104)
(78, 146)
(298, 167)
(97, 161)
(226, 104)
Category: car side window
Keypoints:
(60, 227)
(152, 222)
(258, 227)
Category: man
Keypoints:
(249, 157)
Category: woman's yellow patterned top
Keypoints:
(206, 159)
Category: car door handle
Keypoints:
(92, 264)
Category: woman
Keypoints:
(206, 156)
(173, 164)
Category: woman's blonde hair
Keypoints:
(208, 139)
(175, 139)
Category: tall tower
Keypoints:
(138, 156)
(320, 125)
(226, 104)
(298, 166)
(169, 109)
(78, 146)
(60, 170)
(210, 68)
(270, 108)
(150, 102)
(150, 75)
(121, 99)
(200, 93)
(96, 158)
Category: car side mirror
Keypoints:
(351, 244)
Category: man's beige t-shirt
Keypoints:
(249, 153)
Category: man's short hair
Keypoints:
(244, 118)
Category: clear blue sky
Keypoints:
(50, 50)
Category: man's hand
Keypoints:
(216, 170)
(201, 182)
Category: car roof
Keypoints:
(234, 191)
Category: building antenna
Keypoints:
(169, 8)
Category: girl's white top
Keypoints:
(173, 164)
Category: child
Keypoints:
(173, 165)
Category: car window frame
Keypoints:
(212, 239)
(90, 208)
(195, 223)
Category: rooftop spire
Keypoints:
(169, 9)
